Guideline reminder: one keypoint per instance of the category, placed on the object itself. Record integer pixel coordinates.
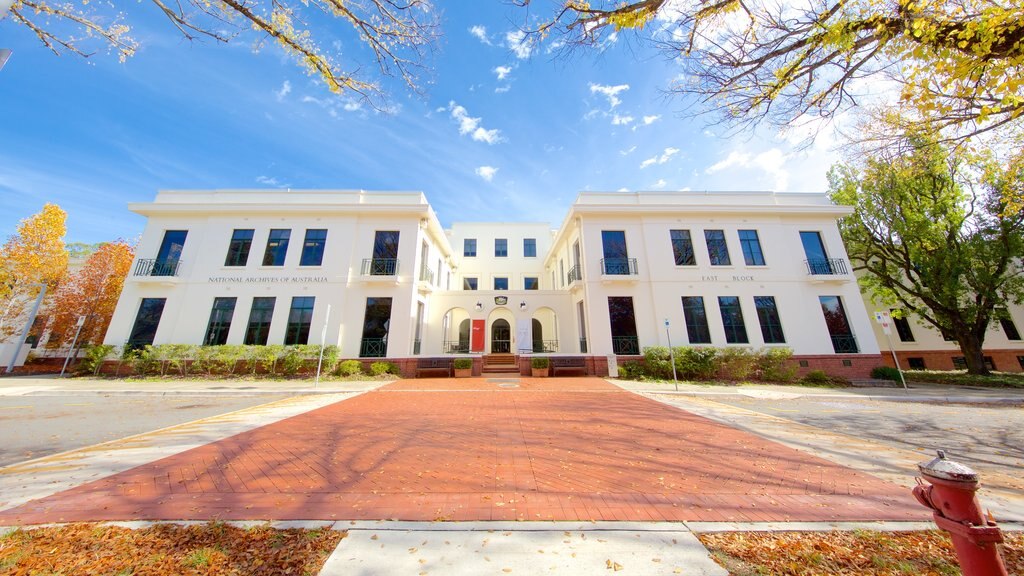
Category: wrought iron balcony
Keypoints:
(575, 274)
(545, 346)
(844, 344)
(380, 267)
(456, 346)
(619, 267)
(826, 267)
(154, 267)
(426, 275)
(373, 348)
(625, 345)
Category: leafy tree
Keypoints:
(396, 34)
(931, 233)
(35, 255)
(958, 64)
(91, 292)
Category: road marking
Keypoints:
(781, 409)
(15, 407)
(85, 404)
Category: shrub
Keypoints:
(773, 365)
(631, 371)
(657, 363)
(225, 358)
(331, 354)
(463, 363)
(381, 368)
(539, 363)
(697, 363)
(817, 377)
(350, 368)
(145, 360)
(885, 373)
(735, 363)
(94, 357)
(292, 360)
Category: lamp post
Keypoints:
(28, 326)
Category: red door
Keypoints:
(477, 344)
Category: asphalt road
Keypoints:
(989, 436)
(36, 426)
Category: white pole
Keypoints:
(671, 355)
(323, 344)
(28, 326)
(81, 322)
(888, 336)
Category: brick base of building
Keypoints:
(1003, 360)
(845, 365)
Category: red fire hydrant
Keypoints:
(951, 496)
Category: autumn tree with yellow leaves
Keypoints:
(35, 255)
(90, 293)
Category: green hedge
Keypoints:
(709, 363)
(227, 360)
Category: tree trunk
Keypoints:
(970, 345)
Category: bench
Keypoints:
(568, 363)
(434, 366)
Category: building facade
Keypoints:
(376, 274)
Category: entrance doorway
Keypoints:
(501, 337)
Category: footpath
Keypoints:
(517, 545)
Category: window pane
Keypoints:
(751, 246)
(501, 283)
(768, 316)
(696, 320)
(146, 322)
(313, 248)
(682, 248)
(623, 325)
(500, 247)
(277, 248)
(718, 250)
(376, 325)
(260, 315)
(839, 329)
(469, 247)
(220, 321)
(902, 327)
(385, 244)
(469, 284)
(531, 283)
(732, 320)
(238, 249)
(299, 319)
(529, 247)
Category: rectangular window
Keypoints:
(500, 283)
(838, 326)
(167, 258)
(376, 324)
(768, 316)
(1020, 360)
(238, 249)
(260, 316)
(732, 320)
(529, 247)
(531, 283)
(313, 248)
(469, 284)
(959, 363)
(146, 322)
(696, 320)
(623, 325)
(385, 253)
(718, 250)
(300, 317)
(916, 363)
(682, 247)
(277, 248)
(751, 246)
(220, 321)
(817, 258)
(616, 260)
(469, 247)
(902, 326)
(501, 247)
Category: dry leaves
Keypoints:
(210, 549)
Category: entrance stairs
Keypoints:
(500, 364)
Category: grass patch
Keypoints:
(861, 552)
(962, 378)
(209, 549)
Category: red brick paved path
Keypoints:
(552, 449)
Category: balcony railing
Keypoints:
(619, 267)
(154, 267)
(575, 274)
(826, 267)
(456, 346)
(844, 344)
(373, 348)
(545, 346)
(625, 345)
(426, 275)
(380, 267)
(583, 345)
(501, 346)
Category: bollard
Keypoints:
(955, 509)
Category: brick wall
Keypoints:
(1004, 360)
(860, 365)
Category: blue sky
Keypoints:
(499, 135)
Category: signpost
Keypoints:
(883, 318)
(81, 322)
(323, 344)
(672, 356)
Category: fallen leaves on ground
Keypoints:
(861, 552)
(213, 549)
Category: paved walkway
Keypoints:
(487, 449)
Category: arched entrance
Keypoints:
(455, 328)
(538, 336)
(545, 331)
(501, 337)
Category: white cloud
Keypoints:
(480, 32)
(621, 120)
(471, 126)
(771, 162)
(623, 190)
(648, 120)
(286, 88)
(611, 92)
(486, 172)
(661, 183)
(503, 72)
(520, 45)
(502, 89)
(660, 159)
(628, 152)
(270, 181)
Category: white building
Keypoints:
(722, 269)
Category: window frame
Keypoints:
(698, 331)
(467, 243)
(467, 280)
(529, 247)
(313, 250)
(770, 320)
(526, 283)
(240, 248)
(297, 330)
(715, 256)
(262, 327)
(500, 278)
(280, 248)
(501, 247)
(735, 332)
(217, 328)
(682, 242)
(751, 248)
